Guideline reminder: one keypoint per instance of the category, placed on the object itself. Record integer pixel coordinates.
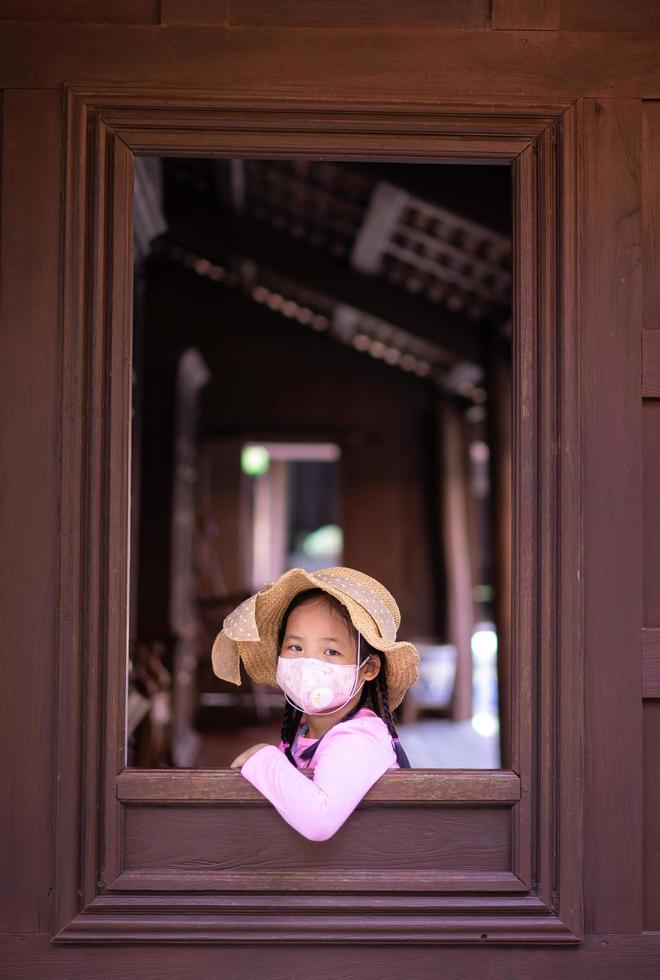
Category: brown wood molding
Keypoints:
(433, 884)
(404, 64)
(414, 786)
(650, 363)
(651, 663)
(528, 815)
(608, 324)
(344, 14)
(612, 956)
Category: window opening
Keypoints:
(322, 376)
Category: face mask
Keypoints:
(316, 686)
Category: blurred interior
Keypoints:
(322, 376)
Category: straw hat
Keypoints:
(250, 631)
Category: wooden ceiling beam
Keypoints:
(218, 234)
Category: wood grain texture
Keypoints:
(207, 12)
(651, 665)
(526, 522)
(311, 887)
(650, 362)
(255, 838)
(417, 66)
(599, 957)
(29, 389)
(651, 511)
(82, 11)
(414, 786)
(651, 252)
(526, 15)
(609, 135)
(570, 612)
(610, 15)
(652, 811)
(368, 13)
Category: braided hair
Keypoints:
(374, 692)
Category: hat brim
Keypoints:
(262, 615)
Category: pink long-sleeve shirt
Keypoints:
(352, 756)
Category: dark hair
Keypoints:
(374, 692)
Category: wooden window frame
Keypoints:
(539, 898)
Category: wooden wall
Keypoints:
(650, 510)
(602, 58)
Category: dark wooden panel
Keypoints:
(610, 15)
(367, 13)
(651, 229)
(651, 358)
(526, 15)
(256, 838)
(416, 65)
(609, 315)
(599, 957)
(209, 12)
(82, 11)
(651, 663)
(651, 512)
(571, 599)
(29, 375)
(652, 815)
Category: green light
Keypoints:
(483, 593)
(325, 540)
(255, 460)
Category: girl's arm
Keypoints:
(350, 759)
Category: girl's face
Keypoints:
(314, 629)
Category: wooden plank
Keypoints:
(422, 66)
(651, 361)
(651, 219)
(414, 786)
(367, 13)
(425, 839)
(207, 12)
(651, 251)
(29, 389)
(526, 15)
(609, 134)
(82, 11)
(248, 883)
(571, 555)
(652, 808)
(610, 15)
(599, 957)
(651, 663)
(651, 513)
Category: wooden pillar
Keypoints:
(455, 538)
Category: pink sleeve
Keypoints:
(351, 757)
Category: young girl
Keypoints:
(328, 637)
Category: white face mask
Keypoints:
(317, 686)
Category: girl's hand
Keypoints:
(244, 756)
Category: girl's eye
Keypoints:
(330, 650)
(293, 646)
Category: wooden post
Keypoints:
(457, 552)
